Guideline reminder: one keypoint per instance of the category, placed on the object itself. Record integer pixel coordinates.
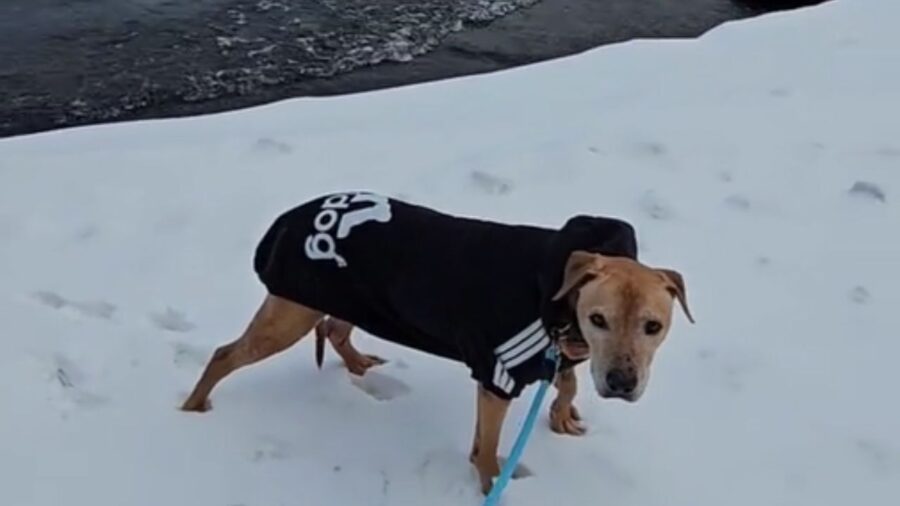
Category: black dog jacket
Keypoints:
(469, 290)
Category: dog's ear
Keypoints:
(675, 286)
(580, 268)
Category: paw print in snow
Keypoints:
(51, 299)
(190, 356)
(490, 183)
(869, 190)
(888, 152)
(860, 295)
(92, 309)
(654, 207)
(270, 448)
(380, 386)
(172, 320)
(651, 148)
(86, 233)
(739, 202)
(71, 379)
(881, 457)
(273, 146)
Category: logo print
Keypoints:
(336, 218)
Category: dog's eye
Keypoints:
(652, 327)
(599, 321)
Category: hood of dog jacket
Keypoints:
(605, 236)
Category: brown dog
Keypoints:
(622, 308)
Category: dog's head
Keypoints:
(623, 310)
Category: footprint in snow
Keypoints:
(888, 152)
(653, 206)
(706, 354)
(860, 295)
(521, 470)
(186, 355)
(880, 457)
(738, 202)
(92, 309)
(67, 373)
(447, 472)
(70, 380)
(51, 299)
(380, 386)
(86, 233)
(652, 148)
(271, 448)
(267, 144)
(490, 183)
(867, 189)
(172, 320)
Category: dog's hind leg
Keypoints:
(277, 325)
(337, 332)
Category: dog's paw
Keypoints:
(566, 420)
(196, 406)
(359, 364)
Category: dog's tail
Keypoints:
(321, 336)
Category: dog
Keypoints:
(493, 296)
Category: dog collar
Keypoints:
(552, 361)
(557, 332)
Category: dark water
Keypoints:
(73, 62)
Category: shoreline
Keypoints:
(550, 29)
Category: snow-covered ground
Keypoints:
(126, 258)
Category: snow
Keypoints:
(760, 160)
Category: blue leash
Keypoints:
(493, 499)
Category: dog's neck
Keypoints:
(561, 319)
(563, 324)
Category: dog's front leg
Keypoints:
(491, 411)
(564, 417)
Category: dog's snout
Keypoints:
(622, 381)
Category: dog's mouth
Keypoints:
(627, 397)
(574, 348)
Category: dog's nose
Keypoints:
(622, 381)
